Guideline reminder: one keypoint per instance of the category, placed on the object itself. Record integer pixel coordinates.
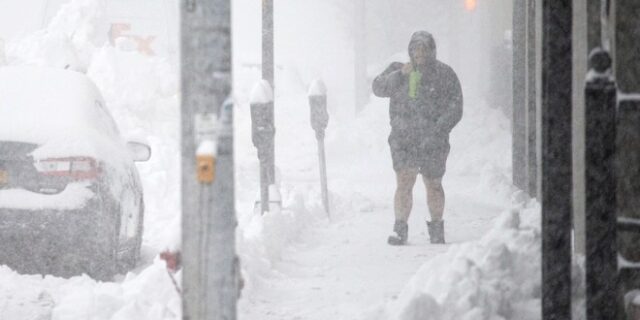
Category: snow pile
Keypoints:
(69, 40)
(263, 238)
(144, 296)
(497, 277)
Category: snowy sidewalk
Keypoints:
(345, 269)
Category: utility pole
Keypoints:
(519, 123)
(210, 266)
(268, 66)
(556, 193)
(532, 95)
(360, 56)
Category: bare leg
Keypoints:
(403, 202)
(435, 198)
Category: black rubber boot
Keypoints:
(436, 231)
(401, 228)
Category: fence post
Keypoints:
(600, 187)
(319, 122)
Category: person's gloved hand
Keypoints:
(407, 68)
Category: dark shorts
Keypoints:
(429, 158)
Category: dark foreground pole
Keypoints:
(600, 186)
(556, 159)
(319, 122)
(210, 271)
(627, 71)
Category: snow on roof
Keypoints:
(317, 88)
(261, 93)
(60, 110)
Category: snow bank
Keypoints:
(494, 278)
(497, 277)
(69, 40)
(149, 295)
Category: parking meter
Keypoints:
(262, 130)
(319, 122)
(262, 127)
(262, 135)
(318, 104)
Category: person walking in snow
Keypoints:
(425, 104)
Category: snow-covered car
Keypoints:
(71, 199)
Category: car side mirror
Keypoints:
(139, 151)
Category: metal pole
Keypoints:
(360, 56)
(519, 124)
(268, 74)
(556, 159)
(594, 24)
(600, 183)
(323, 175)
(532, 95)
(319, 122)
(210, 275)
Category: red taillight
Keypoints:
(77, 168)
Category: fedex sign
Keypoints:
(123, 30)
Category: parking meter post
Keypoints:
(262, 135)
(264, 183)
(319, 122)
(600, 187)
(323, 176)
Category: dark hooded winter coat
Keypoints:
(420, 126)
